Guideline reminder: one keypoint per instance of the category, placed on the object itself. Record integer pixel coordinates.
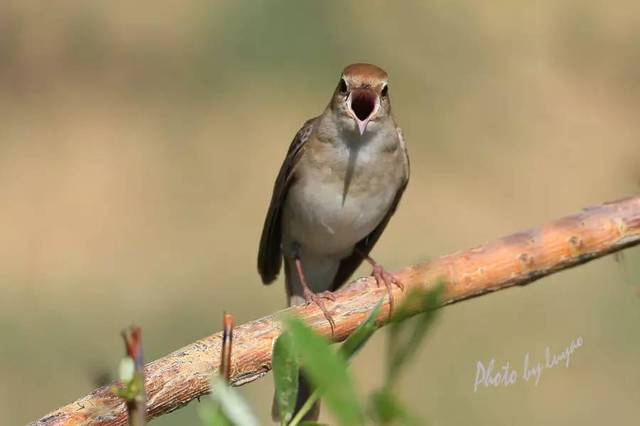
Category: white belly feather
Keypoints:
(324, 225)
(321, 218)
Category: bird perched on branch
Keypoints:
(340, 183)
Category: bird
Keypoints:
(340, 182)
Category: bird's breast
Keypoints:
(337, 201)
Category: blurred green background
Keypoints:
(139, 143)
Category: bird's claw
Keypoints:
(327, 295)
(311, 297)
(384, 277)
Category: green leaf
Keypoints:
(417, 302)
(285, 376)
(361, 335)
(401, 351)
(126, 369)
(211, 414)
(232, 405)
(327, 371)
(385, 409)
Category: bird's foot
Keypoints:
(316, 298)
(384, 277)
(327, 295)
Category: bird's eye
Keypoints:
(343, 86)
(385, 91)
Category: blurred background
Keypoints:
(139, 144)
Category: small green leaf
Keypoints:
(401, 352)
(211, 414)
(418, 301)
(327, 371)
(285, 376)
(385, 409)
(132, 388)
(359, 337)
(231, 403)
(126, 369)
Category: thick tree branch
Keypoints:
(182, 376)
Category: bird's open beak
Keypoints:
(363, 105)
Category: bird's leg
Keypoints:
(382, 276)
(311, 297)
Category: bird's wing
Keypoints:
(349, 264)
(270, 252)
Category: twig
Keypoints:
(178, 378)
(131, 390)
(227, 346)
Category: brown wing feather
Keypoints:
(349, 264)
(270, 252)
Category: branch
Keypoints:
(182, 376)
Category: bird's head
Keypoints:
(361, 100)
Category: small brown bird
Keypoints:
(339, 185)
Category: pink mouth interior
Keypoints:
(362, 104)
